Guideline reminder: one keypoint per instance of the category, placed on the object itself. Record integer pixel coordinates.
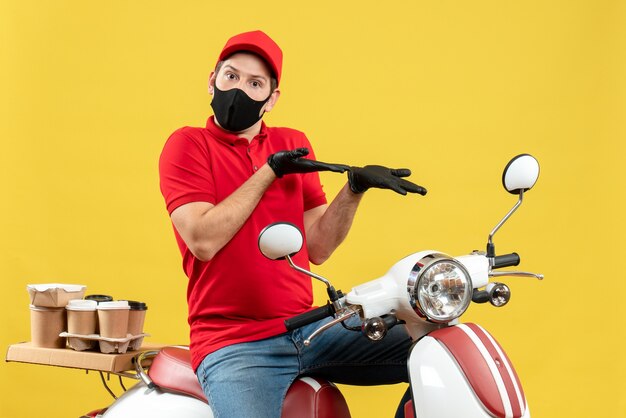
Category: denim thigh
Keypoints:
(249, 380)
(348, 357)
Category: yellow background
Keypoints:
(89, 91)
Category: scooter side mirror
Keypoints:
(520, 174)
(279, 240)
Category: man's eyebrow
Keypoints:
(252, 75)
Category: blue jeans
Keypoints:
(250, 380)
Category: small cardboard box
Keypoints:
(65, 357)
(54, 295)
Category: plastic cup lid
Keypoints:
(99, 298)
(137, 306)
(81, 305)
(116, 304)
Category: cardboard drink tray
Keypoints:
(80, 342)
(66, 357)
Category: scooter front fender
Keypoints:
(461, 371)
(139, 401)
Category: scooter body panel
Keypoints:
(138, 401)
(455, 375)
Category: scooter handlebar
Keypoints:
(309, 317)
(506, 260)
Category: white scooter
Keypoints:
(455, 370)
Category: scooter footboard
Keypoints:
(462, 371)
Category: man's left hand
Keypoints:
(363, 178)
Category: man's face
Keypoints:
(244, 71)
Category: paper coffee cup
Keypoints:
(113, 318)
(99, 299)
(82, 317)
(45, 326)
(136, 317)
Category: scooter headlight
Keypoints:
(440, 288)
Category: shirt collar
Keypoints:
(229, 137)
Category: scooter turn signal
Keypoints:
(499, 294)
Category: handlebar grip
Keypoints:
(506, 260)
(309, 317)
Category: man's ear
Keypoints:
(212, 82)
(272, 100)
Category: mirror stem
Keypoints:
(332, 293)
(491, 249)
(308, 273)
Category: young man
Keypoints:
(222, 185)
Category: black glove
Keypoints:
(362, 178)
(289, 162)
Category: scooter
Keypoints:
(455, 369)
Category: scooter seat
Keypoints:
(307, 397)
(171, 370)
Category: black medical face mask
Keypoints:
(234, 110)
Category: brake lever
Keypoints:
(349, 312)
(515, 274)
